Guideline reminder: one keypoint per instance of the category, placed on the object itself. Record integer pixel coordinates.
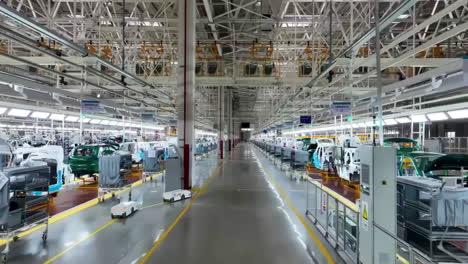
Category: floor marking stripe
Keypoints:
(77, 209)
(80, 241)
(301, 219)
(153, 205)
(94, 233)
(168, 230)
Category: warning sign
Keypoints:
(324, 202)
(365, 216)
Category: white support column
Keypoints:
(221, 121)
(230, 130)
(186, 86)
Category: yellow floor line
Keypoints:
(302, 220)
(75, 210)
(94, 233)
(80, 241)
(166, 233)
(153, 205)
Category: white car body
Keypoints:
(131, 148)
(177, 195)
(125, 209)
(349, 167)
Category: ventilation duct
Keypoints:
(305, 69)
(251, 68)
(198, 68)
(212, 67)
(268, 68)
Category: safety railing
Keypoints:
(338, 220)
(405, 253)
(336, 217)
(454, 145)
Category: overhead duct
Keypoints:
(14, 15)
(250, 68)
(199, 68)
(7, 90)
(268, 68)
(212, 67)
(305, 69)
(69, 101)
(449, 78)
(35, 95)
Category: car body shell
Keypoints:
(36, 156)
(324, 153)
(89, 164)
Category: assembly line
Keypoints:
(234, 131)
(427, 183)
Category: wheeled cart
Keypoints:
(153, 163)
(112, 171)
(24, 202)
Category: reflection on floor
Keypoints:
(70, 198)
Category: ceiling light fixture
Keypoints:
(95, 121)
(390, 122)
(72, 118)
(57, 117)
(403, 120)
(437, 116)
(42, 115)
(418, 118)
(18, 112)
(458, 114)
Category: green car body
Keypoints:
(410, 160)
(416, 163)
(85, 158)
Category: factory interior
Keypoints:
(234, 131)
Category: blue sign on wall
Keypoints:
(305, 119)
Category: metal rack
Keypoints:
(153, 163)
(299, 159)
(25, 203)
(427, 219)
(112, 173)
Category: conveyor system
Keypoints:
(285, 155)
(432, 217)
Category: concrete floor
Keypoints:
(240, 217)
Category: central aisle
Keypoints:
(240, 218)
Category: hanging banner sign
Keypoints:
(341, 108)
(147, 117)
(91, 106)
(306, 119)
